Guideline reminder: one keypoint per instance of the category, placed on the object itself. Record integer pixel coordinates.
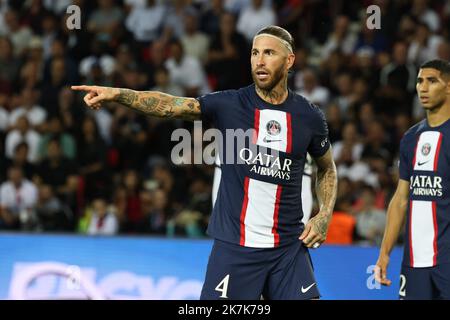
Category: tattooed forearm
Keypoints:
(127, 97)
(160, 104)
(326, 188)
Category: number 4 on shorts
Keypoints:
(223, 286)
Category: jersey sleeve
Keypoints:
(211, 103)
(403, 162)
(320, 143)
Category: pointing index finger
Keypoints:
(82, 88)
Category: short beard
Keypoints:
(277, 78)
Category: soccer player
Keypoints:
(423, 194)
(260, 245)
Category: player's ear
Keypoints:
(290, 61)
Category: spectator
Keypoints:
(174, 26)
(128, 203)
(18, 197)
(20, 159)
(58, 51)
(145, 22)
(344, 99)
(23, 133)
(91, 159)
(29, 108)
(49, 26)
(423, 46)
(103, 219)
(422, 11)
(350, 139)
(50, 89)
(255, 17)
(312, 90)
(227, 55)
(19, 35)
(52, 214)
(9, 65)
(154, 57)
(399, 73)
(195, 43)
(210, 19)
(98, 56)
(55, 169)
(335, 122)
(55, 131)
(443, 51)
(186, 71)
(105, 21)
(301, 64)
(341, 39)
(370, 38)
(163, 84)
(370, 222)
(155, 208)
(32, 71)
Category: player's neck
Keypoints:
(277, 95)
(438, 116)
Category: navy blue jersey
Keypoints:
(259, 199)
(425, 164)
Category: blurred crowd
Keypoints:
(64, 168)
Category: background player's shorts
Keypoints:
(425, 283)
(242, 273)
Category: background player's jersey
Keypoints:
(259, 200)
(307, 195)
(425, 163)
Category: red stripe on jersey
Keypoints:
(289, 133)
(411, 256)
(244, 211)
(438, 149)
(415, 151)
(433, 204)
(256, 126)
(275, 217)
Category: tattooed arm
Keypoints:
(326, 190)
(151, 103)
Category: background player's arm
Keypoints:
(394, 221)
(326, 191)
(151, 103)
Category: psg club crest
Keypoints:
(273, 128)
(426, 148)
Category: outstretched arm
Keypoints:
(326, 190)
(151, 103)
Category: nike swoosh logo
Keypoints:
(304, 290)
(269, 140)
(422, 163)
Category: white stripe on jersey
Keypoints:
(259, 216)
(422, 234)
(278, 138)
(427, 151)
